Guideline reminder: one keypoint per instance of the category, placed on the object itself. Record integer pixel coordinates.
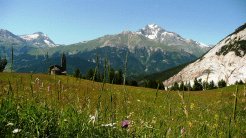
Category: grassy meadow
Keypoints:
(38, 105)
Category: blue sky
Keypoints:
(71, 21)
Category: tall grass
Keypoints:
(81, 108)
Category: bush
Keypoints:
(133, 83)
(182, 87)
(175, 87)
(77, 73)
(211, 85)
(221, 84)
(188, 86)
(239, 82)
(205, 85)
(197, 85)
(3, 63)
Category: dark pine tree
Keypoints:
(197, 85)
(182, 87)
(89, 74)
(133, 83)
(77, 73)
(119, 77)
(211, 85)
(3, 63)
(205, 85)
(64, 61)
(111, 76)
(175, 87)
(188, 86)
(221, 84)
(12, 59)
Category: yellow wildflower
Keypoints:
(192, 106)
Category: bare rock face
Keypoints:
(225, 61)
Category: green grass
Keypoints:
(65, 109)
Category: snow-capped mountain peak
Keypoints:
(157, 33)
(39, 39)
(30, 37)
(151, 31)
(154, 27)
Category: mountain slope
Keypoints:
(24, 44)
(8, 38)
(145, 54)
(225, 61)
(163, 75)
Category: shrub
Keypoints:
(211, 85)
(205, 85)
(3, 63)
(221, 84)
(133, 83)
(239, 82)
(182, 87)
(197, 85)
(175, 87)
(77, 73)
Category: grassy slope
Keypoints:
(64, 110)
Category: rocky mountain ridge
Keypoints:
(226, 60)
(146, 55)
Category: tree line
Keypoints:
(199, 85)
(111, 76)
(115, 77)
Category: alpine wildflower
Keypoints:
(16, 130)
(192, 106)
(125, 124)
(182, 131)
(10, 124)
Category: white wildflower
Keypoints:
(109, 125)
(10, 124)
(37, 80)
(130, 115)
(16, 130)
(138, 100)
(92, 119)
(147, 125)
(168, 131)
(48, 88)
(182, 131)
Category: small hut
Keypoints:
(59, 70)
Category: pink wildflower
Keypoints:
(125, 124)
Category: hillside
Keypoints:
(226, 60)
(164, 75)
(69, 107)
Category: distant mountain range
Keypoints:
(37, 39)
(226, 60)
(151, 49)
